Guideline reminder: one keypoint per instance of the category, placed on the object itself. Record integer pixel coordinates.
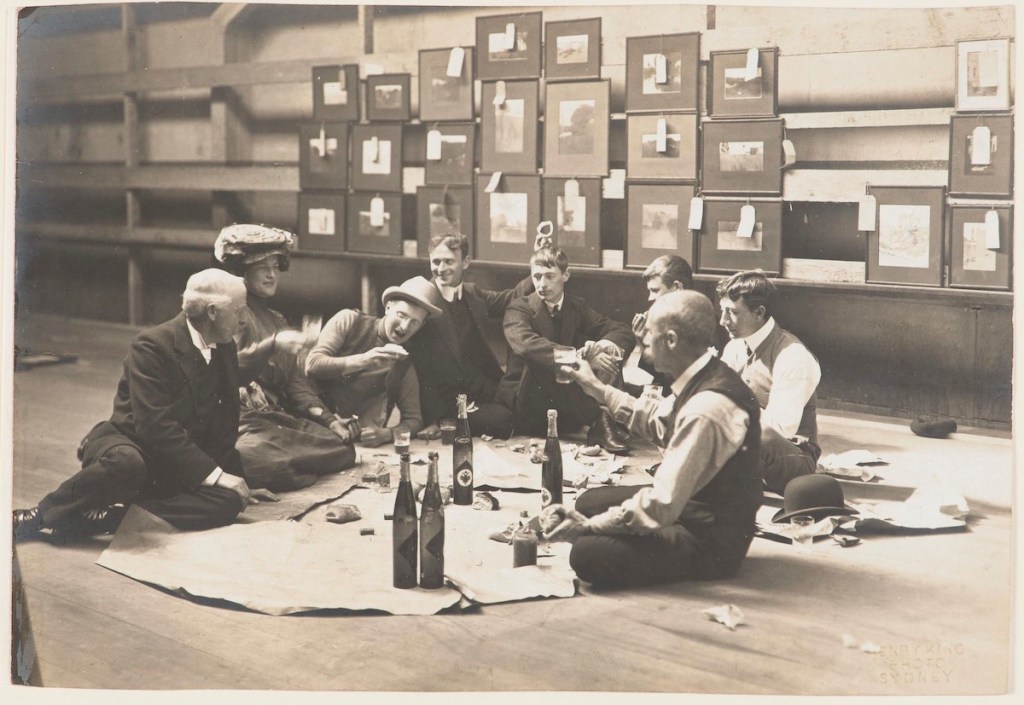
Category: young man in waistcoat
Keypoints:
(697, 520)
(451, 353)
(666, 273)
(782, 373)
(361, 368)
(169, 445)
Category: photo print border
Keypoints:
(389, 176)
(555, 70)
(996, 271)
(999, 97)
(997, 179)
(881, 265)
(639, 254)
(763, 181)
(515, 252)
(433, 64)
(529, 28)
(687, 45)
(460, 196)
(442, 172)
(713, 257)
(326, 110)
(721, 104)
(584, 248)
(331, 217)
(682, 167)
(592, 161)
(329, 172)
(524, 159)
(401, 111)
(389, 242)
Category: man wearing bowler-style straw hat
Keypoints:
(361, 367)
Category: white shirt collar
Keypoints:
(449, 293)
(695, 367)
(197, 340)
(561, 300)
(758, 336)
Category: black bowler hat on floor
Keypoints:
(818, 496)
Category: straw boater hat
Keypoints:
(242, 244)
(419, 291)
(818, 496)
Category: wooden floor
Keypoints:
(938, 606)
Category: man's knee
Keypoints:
(782, 460)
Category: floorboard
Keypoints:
(938, 606)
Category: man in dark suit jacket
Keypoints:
(169, 445)
(451, 353)
(534, 325)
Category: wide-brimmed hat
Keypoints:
(417, 290)
(243, 244)
(818, 496)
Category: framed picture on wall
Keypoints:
(725, 245)
(323, 155)
(572, 49)
(576, 219)
(742, 157)
(336, 93)
(451, 159)
(657, 223)
(373, 229)
(737, 90)
(387, 97)
(979, 257)
(441, 210)
(508, 127)
(444, 96)
(983, 74)
(906, 246)
(576, 134)
(653, 155)
(981, 155)
(661, 72)
(507, 219)
(322, 222)
(377, 157)
(508, 46)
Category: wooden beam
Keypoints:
(847, 186)
(199, 177)
(120, 235)
(365, 19)
(910, 117)
(228, 13)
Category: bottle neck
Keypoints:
(461, 402)
(553, 426)
(403, 469)
(432, 470)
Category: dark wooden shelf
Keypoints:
(173, 177)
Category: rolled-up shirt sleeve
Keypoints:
(709, 429)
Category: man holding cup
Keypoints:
(550, 322)
(697, 520)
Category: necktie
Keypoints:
(554, 311)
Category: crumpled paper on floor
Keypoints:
(929, 508)
(488, 586)
(490, 469)
(275, 567)
(729, 615)
(852, 465)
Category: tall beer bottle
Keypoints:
(432, 530)
(551, 470)
(405, 536)
(462, 457)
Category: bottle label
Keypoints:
(465, 476)
(545, 497)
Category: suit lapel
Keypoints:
(542, 319)
(446, 330)
(189, 358)
(476, 306)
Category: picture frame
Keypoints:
(362, 235)
(443, 209)
(506, 220)
(657, 220)
(742, 157)
(971, 264)
(682, 63)
(387, 98)
(994, 178)
(323, 155)
(983, 74)
(906, 245)
(444, 97)
(321, 222)
(377, 157)
(576, 130)
(457, 156)
(720, 249)
(336, 93)
(572, 49)
(496, 58)
(679, 159)
(577, 230)
(732, 95)
(508, 132)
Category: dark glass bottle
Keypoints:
(432, 530)
(551, 470)
(405, 533)
(462, 457)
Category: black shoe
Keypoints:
(619, 432)
(26, 523)
(94, 522)
(600, 434)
